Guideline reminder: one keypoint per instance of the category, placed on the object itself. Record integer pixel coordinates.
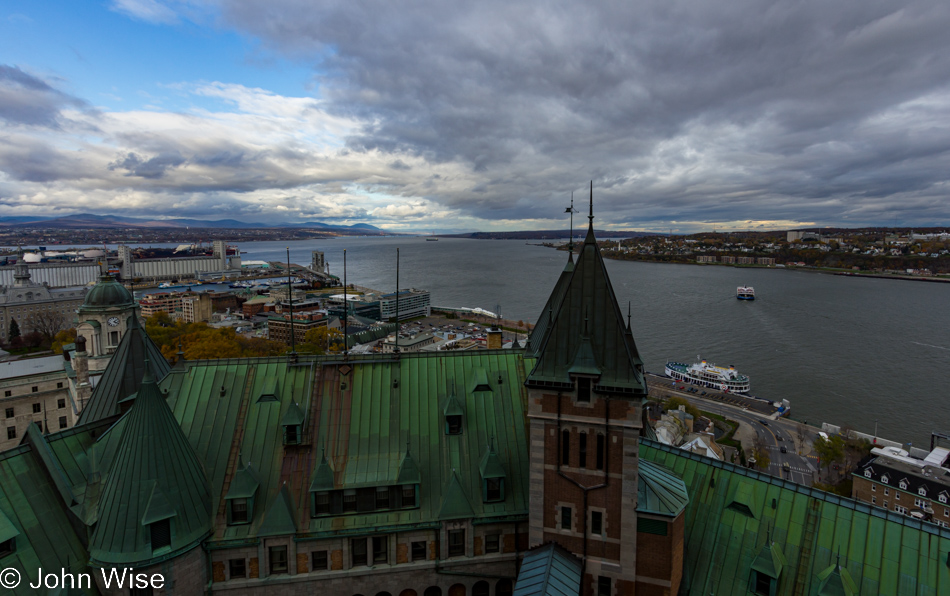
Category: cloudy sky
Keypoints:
(428, 115)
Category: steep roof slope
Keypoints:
(154, 476)
(123, 375)
(586, 334)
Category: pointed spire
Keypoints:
(590, 226)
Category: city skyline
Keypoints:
(413, 116)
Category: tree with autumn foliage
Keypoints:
(199, 341)
(321, 340)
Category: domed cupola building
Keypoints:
(104, 317)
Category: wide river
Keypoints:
(849, 351)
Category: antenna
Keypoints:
(346, 306)
(591, 216)
(570, 244)
(290, 294)
(396, 347)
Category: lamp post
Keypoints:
(875, 432)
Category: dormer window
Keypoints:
(943, 498)
(240, 497)
(160, 534)
(237, 511)
(453, 425)
(922, 492)
(884, 478)
(291, 435)
(493, 489)
(292, 422)
(493, 477)
(7, 547)
(903, 485)
(867, 473)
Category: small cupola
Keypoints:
(293, 423)
(493, 476)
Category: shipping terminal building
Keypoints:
(491, 472)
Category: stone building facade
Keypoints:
(36, 307)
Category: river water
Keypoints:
(844, 350)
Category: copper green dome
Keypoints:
(108, 293)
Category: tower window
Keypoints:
(565, 448)
(566, 518)
(583, 389)
(36, 407)
(596, 522)
(603, 586)
(582, 452)
(601, 448)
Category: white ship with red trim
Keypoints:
(709, 375)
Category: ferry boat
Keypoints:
(745, 293)
(432, 239)
(709, 375)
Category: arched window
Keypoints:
(408, 592)
(457, 590)
(480, 589)
(433, 591)
(503, 588)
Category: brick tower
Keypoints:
(585, 393)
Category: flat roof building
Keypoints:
(412, 303)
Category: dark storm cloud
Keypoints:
(152, 168)
(678, 109)
(26, 99)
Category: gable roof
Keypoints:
(123, 375)
(549, 570)
(154, 475)
(586, 334)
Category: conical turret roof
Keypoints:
(123, 375)
(155, 475)
(586, 334)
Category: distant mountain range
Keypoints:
(548, 235)
(88, 220)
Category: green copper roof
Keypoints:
(536, 339)
(836, 581)
(33, 513)
(589, 310)
(107, 294)
(322, 476)
(490, 465)
(884, 552)
(452, 406)
(659, 491)
(770, 561)
(293, 416)
(279, 519)
(549, 570)
(408, 470)
(154, 475)
(455, 504)
(7, 529)
(123, 375)
(244, 484)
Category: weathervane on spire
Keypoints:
(591, 216)
(572, 211)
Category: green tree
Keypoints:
(675, 402)
(14, 330)
(829, 450)
(321, 340)
(66, 336)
